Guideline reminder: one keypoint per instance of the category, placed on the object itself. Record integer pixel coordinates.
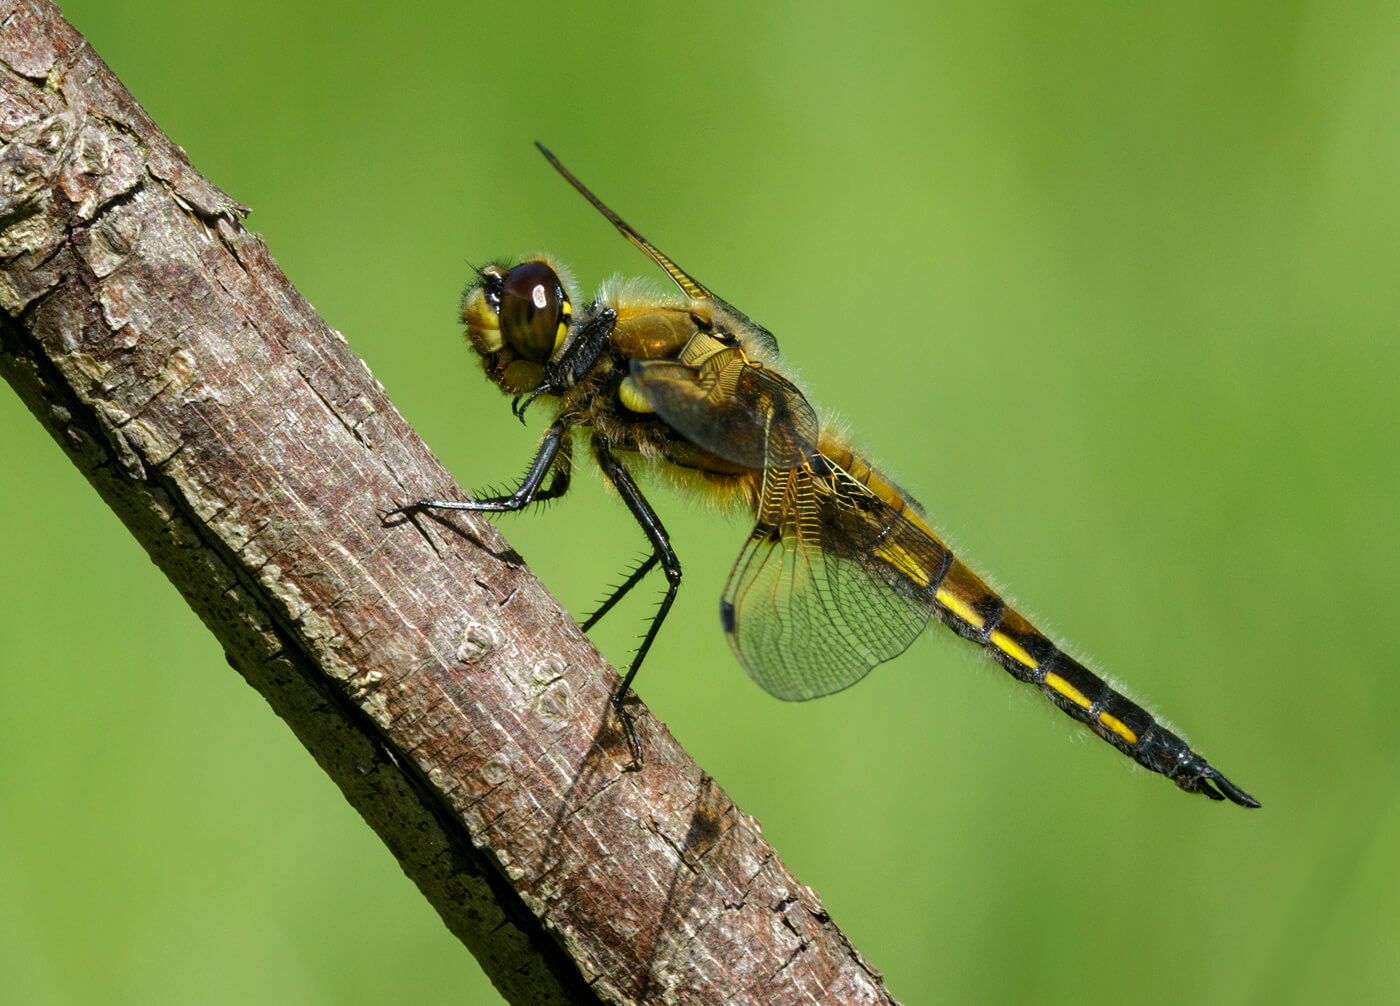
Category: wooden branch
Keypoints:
(459, 709)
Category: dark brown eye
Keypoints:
(534, 311)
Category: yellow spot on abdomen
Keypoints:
(1118, 726)
(1067, 690)
(901, 560)
(1012, 649)
(959, 607)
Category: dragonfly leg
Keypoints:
(590, 336)
(661, 553)
(529, 492)
(621, 590)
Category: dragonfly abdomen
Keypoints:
(974, 611)
(920, 566)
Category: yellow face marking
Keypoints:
(1118, 726)
(521, 376)
(901, 560)
(1012, 649)
(483, 326)
(960, 607)
(486, 337)
(1067, 690)
(565, 314)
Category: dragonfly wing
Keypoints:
(689, 285)
(738, 410)
(831, 582)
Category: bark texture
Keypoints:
(459, 709)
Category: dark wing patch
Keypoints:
(832, 582)
(741, 411)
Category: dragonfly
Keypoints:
(841, 571)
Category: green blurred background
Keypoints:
(1112, 291)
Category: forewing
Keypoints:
(689, 285)
(831, 582)
(741, 411)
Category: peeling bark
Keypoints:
(459, 709)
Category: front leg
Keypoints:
(670, 565)
(529, 492)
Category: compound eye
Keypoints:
(534, 311)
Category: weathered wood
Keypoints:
(460, 710)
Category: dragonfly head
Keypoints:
(517, 319)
